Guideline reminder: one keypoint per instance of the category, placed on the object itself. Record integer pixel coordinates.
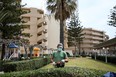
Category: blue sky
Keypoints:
(92, 13)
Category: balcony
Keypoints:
(26, 15)
(26, 31)
(42, 37)
(40, 21)
(97, 34)
(90, 37)
(96, 42)
(45, 30)
(87, 46)
(45, 39)
(27, 23)
(87, 41)
(97, 38)
(40, 29)
(44, 23)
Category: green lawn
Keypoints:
(87, 63)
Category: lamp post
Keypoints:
(106, 55)
(94, 53)
(105, 50)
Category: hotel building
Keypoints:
(44, 29)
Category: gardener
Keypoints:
(59, 57)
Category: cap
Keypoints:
(60, 45)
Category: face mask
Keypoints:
(59, 49)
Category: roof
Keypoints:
(110, 42)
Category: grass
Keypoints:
(87, 63)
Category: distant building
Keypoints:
(91, 37)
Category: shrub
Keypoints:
(25, 65)
(57, 72)
(110, 59)
(1, 63)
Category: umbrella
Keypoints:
(12, 45)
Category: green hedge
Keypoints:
(1, 64)
(25, 65)
(57, 72)
(110, 59)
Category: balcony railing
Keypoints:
(40, 21)
(42, 37)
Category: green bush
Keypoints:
(110, 59)
(57, 72)
(1, 63)
(25, 65)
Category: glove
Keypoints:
(53, 63)
(63, 60)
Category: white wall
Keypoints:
(53, 31)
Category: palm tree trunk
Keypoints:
(62, 33)
(61, 25)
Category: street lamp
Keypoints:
(105, 49)
(94, 53)
(106, 55)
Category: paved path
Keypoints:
(87, 63)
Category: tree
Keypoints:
(75, 35)
(112, 21)
(10, 19)
(62, 10)
(4, 15)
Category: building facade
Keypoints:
(44, 29)
(34, 25)
(92, 37)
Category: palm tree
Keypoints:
(62, 10)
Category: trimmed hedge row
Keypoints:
(1, 63)
(25, 65)
(57, 72)
(110, 59)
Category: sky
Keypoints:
(92, 13)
